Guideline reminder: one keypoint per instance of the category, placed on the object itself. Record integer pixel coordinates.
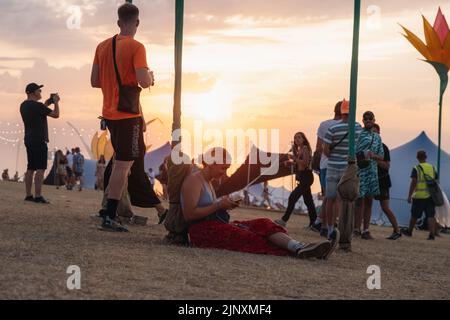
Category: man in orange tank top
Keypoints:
(126, 129)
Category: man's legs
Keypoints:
(432, 227)
(119, 176)
(332, 181)
(388, 212)
(38, 180)
(330, 213)
(323, 185)
(359, 208)
(412, 224)
(29, 182)
(81, 183)
(368, 201)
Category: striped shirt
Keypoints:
(339, 155)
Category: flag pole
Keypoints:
(440, 136)
(179, 19)
(354, 80)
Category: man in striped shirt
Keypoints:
(336, 145)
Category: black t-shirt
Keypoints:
(383, 174)
(34, 115)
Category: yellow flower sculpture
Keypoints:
(437, 53)
(101, 145)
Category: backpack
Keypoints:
(433, 188)
(175, 223)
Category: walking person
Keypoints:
(319, 225)
(266, 196)
(420, 197)
(78, 168)
(69, 169)
(384, 181)
(369, 149)
(119, 68)
(34, 115)
(301, 160)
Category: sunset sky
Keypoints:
(247, 64)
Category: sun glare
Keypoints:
(212, 106)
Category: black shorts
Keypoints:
(127, 138)
(37, 156)
(69, 171)
(384, 195)
(420, 206)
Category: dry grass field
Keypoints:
(39, 242)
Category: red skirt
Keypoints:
(243, 236)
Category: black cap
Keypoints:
(32, 87)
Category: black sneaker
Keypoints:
(314, 250)
(430, 237)
(316, 227)
(334, 240)
(366, 236)
(29, 198)
(112, 226)
(41, 200)
(324, 233)
(394, 236)
(162, 217)
(406, 232)
(356, 233)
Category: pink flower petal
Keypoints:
(441, 26)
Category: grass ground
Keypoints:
(39, 242)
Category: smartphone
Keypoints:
(103, 124)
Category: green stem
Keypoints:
(179, 19)
(440, 135)
(354, 80)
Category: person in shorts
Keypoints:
(321, 132)
(336, 147)
(384, 181)
(78, 168)
(420, 197)
(34, 115)
(126, 129)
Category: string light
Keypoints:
(9, 140)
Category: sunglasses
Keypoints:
(368, 119)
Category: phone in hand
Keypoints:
(236, 200)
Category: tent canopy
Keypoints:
(403, 159)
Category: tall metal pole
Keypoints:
(440, 136)
(179, 19)
(354, 80)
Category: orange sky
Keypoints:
(279, 65)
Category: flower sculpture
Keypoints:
(437, 53)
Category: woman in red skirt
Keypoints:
(209, 225)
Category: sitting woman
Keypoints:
(209, 225)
